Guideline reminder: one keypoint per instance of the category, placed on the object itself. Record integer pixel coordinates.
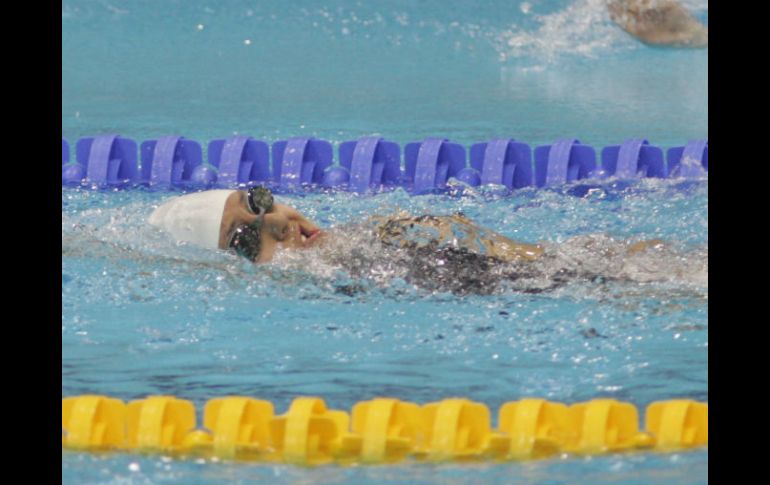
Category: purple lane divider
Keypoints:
(170, 160)
(108, 159)
(503, 162)
(634, 158)
(565, 161)
(430, 163)
(300, 161)
(239, 159)
(691, 160)
(370, 161)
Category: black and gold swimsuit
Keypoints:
(451, 232)
(451, 253)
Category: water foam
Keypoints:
(582, 28)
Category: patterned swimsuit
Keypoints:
(455, 232)
(451, 253)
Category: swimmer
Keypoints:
(252, 225)
(446, 253)
(659, 22)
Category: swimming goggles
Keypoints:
(260, 200)
(247, 239)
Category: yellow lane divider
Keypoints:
(383, 430)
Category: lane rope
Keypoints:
(382, 430)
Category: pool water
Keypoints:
(142, 315)
(465, 70)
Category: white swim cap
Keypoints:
(194, 218)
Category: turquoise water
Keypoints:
(142, 315)
(467, 70)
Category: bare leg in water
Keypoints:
(659, 22)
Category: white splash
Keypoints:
(583, 28)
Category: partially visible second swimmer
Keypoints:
(659, 22)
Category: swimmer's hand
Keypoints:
(659, 22)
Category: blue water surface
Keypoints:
(142, 315)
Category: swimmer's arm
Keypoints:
(305, 224)
(644, 245)
(505, 248)
(509, 250)
(513, 251)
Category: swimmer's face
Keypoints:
(282, 228)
